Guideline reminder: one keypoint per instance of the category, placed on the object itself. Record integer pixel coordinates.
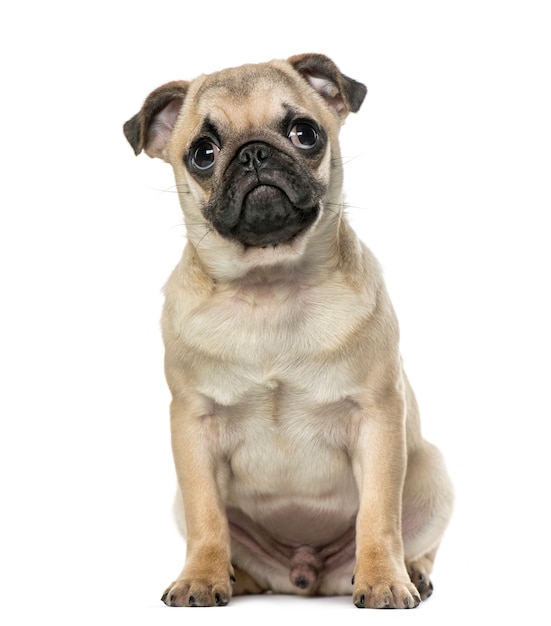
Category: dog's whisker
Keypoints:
(336, 211)
(172, 189)
(343, 160)
(177, 226)
(346, 207)
(209, 231)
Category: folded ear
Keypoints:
(151, 127)
(343, 94)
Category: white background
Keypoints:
(449, 183)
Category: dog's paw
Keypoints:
(392, 594)
(198, 592)
(420, 578)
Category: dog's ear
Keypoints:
(343, 94)
(151, 127)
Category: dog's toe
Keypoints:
(196, 593)
(421, 581)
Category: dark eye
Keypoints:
(204, 154)
(303, 136)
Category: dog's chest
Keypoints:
(266, 342)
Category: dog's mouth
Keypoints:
(268, 217)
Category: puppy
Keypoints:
(296, 438)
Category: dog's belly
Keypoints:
(299, 487)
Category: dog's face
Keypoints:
(255, 154)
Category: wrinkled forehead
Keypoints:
(250, 96)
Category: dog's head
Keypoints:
(255, 154)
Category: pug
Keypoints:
(295, 432)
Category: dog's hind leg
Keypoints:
(245, 584)
(427, 506)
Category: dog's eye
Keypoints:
(205, 154)
(303, 136)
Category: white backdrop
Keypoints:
(448, 178)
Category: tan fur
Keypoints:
(290, 405)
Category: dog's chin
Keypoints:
(284, 253)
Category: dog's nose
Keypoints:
(253, 156)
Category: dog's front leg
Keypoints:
(207, 574)
(379, 462)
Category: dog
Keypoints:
(295, 432)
